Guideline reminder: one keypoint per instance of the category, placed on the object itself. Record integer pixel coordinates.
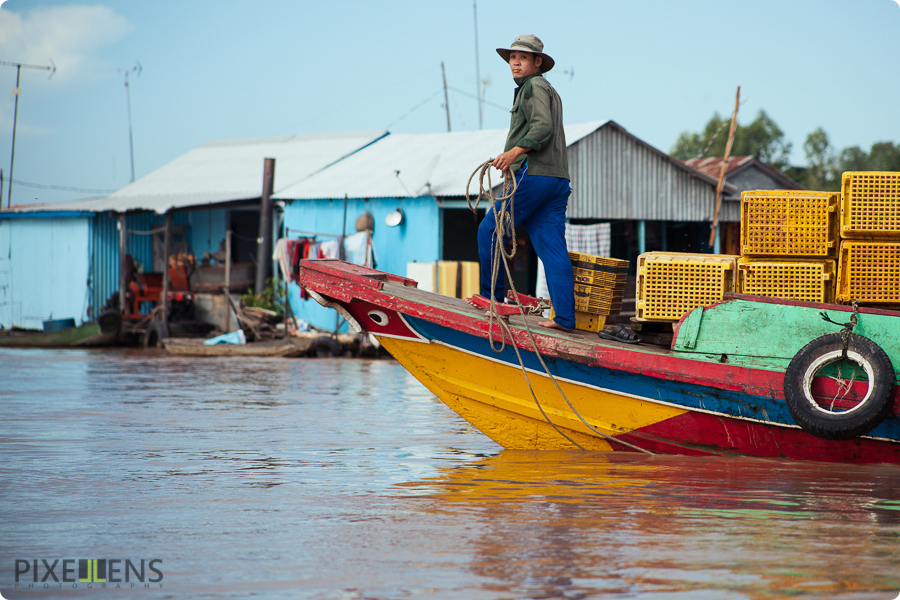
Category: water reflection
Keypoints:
(348, 479)
(597, 523)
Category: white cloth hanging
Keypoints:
(588, 239)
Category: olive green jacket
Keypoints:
(537, 123)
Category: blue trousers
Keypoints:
(539, 206)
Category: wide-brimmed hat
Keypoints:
(528, 43)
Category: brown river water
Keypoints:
(346, 479)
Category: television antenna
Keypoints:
(137, 68)
(16, 90)
(478, 82)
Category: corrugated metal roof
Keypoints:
(411, 165)
(616, 175)
(737, 164)
(225, 171)
(713, 165)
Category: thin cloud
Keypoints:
(68, 35)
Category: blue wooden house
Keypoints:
(62, 260)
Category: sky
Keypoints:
(223, 69)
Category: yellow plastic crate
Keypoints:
(671, 284)
(585, 321)
(611, 308)
(805, 280)
(870, 204)
(598, 292)
(598, 300)
(789, 223)
(602, 278)
(599, 261)
(589, 277)
(869, 272)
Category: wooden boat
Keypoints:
(87, 335)
(286, 347)
(737, 379)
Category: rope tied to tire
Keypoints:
(847, 327)
(839, 420)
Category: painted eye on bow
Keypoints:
(378, 317)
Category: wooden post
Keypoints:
(713, 230)
(165, 279)
(227, 288)
(343, 229)
(123, 262)
(337, 316)
(264, 242)
(642, 236)
(446, 100)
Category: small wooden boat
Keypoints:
(287, 347)
(92, 334)
(741, 377)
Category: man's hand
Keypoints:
(505, 160)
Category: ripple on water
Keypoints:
(348, 479)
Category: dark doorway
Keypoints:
(245, 225)
(461, 243)
(461, 234)
(688, 237)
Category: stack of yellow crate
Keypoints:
(671, 284)
(599, 288)
(869, 269)
(789, 244)
(791, 241)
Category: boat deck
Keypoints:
(579, 339)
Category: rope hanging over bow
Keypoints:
(505, 227)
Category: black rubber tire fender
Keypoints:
(325, 347)
(851, 423)
(109, 321)
(155, 333)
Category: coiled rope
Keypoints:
(504, 226)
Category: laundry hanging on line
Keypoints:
(358, 249)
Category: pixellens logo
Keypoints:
(92, 573)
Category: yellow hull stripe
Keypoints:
(495, 399)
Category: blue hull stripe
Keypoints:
(674, 393)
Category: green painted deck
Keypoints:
(768, 334)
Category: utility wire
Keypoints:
(355, 103)
(414, 109)
(506, 108)
(67, 188)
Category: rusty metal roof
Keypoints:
(712, 166)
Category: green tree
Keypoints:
(884, 156)
(693, 145)
(853, 159)
(826, 166)
(822, 171)
(762, 137)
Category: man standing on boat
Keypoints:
(536, 152)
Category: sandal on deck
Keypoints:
(620, 334)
